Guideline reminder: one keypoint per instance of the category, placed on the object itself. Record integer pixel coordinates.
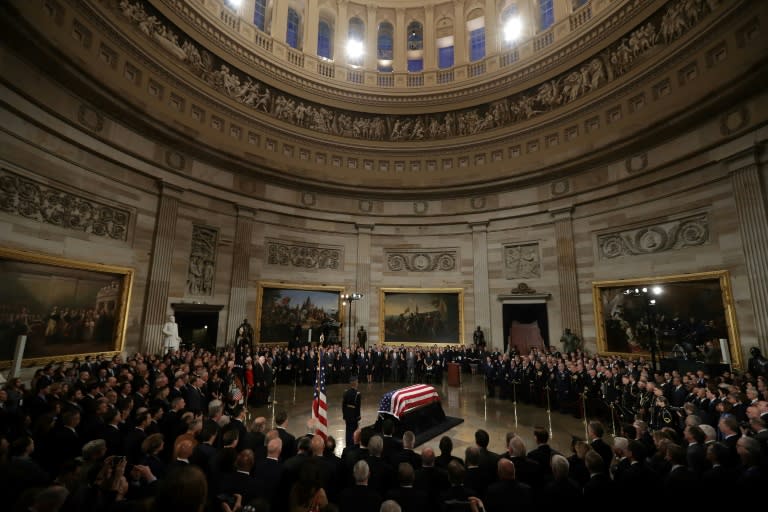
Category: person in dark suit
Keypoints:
(507, 490)
(680, 484)
(407, 454)
(543, 452)
(599, 487)
(638, 475)
(696, 453)
(270, 470)
(562, 491)
(474, 477)
(392, 445)
(381, 475)
(446, 453)
(457, 494)
(135, 437)
(241, 482)
(205, 450)
(488, 459)
(527, 470)
(596, 432)
(431, 478)
(237, 421)
(409, 498)
(360, 497)
(111, 433)
(350, 407)
(289, 441)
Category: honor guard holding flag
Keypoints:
(351, 409)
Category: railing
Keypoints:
(415, 80)
(523, 51)
(580, 17)
(296, 57)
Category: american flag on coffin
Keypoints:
(401, 401)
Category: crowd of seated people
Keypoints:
(164, 433)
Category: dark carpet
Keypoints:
(436, 430)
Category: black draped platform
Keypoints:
(426, 421)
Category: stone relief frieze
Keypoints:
(522, 261)
(665, 26)
(32, 200)
(202, 260)
(443, 260)
(304, 255)
(666, 236)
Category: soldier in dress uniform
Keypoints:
(489, 370)
(351, 410)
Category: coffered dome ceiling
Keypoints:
(584, 93)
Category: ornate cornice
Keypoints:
(655, 238)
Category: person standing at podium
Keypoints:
(351, 410)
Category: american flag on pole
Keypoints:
(320, 404)
(401, 401)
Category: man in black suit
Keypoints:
(474, 477)
(507, 490)
(488, 459)
(241, 482)
(381, 475)
(289, 441)
(407, 454)
(392, 445)
(360, 497)
(237, 421)
(446, 456)
(270, 470)
(409, 498)
(596, 432)
(431, 479)
(543, 452)
(135, 437)
(599, 488)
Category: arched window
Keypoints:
(292, 29)
(355, 38)
(260, 14)
(324, 40)
(546, 14)
(476, 29)
(444, 31)
(415, 46)
(385, 45)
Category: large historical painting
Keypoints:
(66, 308)
(424, 316)
(287, 312)
(677, 313)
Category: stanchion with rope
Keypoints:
(586, 425)
(514, 400)
(549, 412)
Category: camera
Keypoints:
(227, 498)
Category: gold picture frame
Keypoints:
(278, 306)
(421, 316)
(68, 309)
(681, 311)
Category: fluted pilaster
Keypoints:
(156, 308)
(400, 62)
(491, 28)
(371, 38)
(341, 32)
(311, 21)
(241, 259)
(459, 34)
(749, 195)
(480, 280)
(566, 271)
(362, 312)
(280, 20)
(430, 52)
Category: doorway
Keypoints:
(526, 314)
(198, 328)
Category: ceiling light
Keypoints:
(513, 29)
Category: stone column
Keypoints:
(371, 59)
(566, 271)
(480, 282)
(156, 308)
(280, 21)
(491, 28)
(460, 52)
(563, 9)
(311, 21)
(430, 38)
(750, 197)
(241, 260)
(400, 63)
(362, 313)
(341, 33)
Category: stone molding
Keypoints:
(522, 261)
(305, 256)
(23, 197)
(441, 260)
(655, 238)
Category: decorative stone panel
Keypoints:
(23, 197)
(656, 238)
(431, 260)
(304, 256)
(522, 261)
(202, 260)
